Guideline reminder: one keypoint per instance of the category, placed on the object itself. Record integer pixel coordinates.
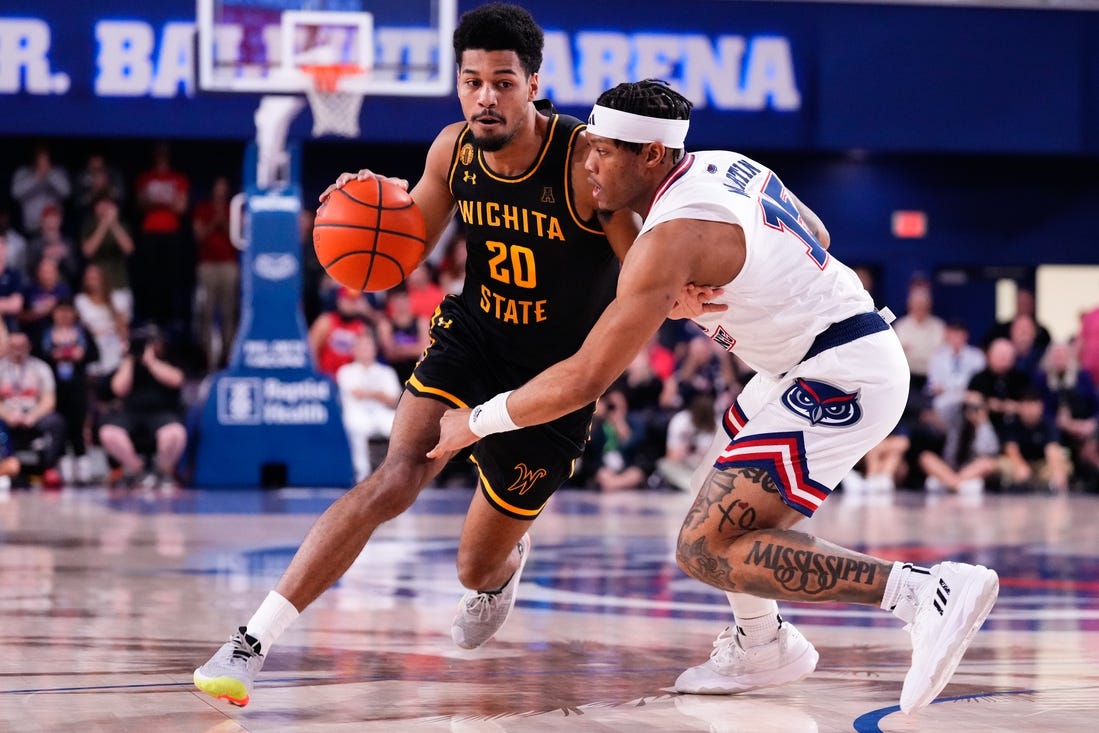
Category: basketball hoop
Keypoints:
(335, 112)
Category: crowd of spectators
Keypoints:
(1018, 412)
(118, 295)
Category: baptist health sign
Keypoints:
(272, 401)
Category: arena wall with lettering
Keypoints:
(764, 75)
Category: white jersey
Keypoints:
(789, 289)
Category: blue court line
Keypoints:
(868, 722)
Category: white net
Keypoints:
(335, 112)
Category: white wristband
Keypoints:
(492, 417)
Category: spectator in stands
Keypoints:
(1024, 306)
(332, 336)
(218, 274)
(369, 391)
(920, 331)
(105, 314)
(452, 267)
(1028, 352)
(1033, 453)
(68, 349)
(161, 281)
(12, 286)
(649, 398)
(37, 185)
(690, 432)
(402, 334)
(424, 294)
(1088, 343)
(1001, 385)
(27, 406)
(97, 181)
(882, 466)
(107, 244)
(149, 417)
(619, 459)
(1072, 404)
(970, 455)
(54, 244)
(949, 372)
(705, 369)
(17, 244)
(41, 296)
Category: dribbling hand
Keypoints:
(362, 175)
(454, 433)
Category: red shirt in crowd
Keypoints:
(159, 191)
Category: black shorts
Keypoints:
(519, 469)
(141, 426)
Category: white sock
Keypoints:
(757, 619)
(272, 618)
(901, 589)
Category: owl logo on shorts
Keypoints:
(822, 404)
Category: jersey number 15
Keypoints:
(780, 213)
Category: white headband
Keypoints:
(631, 128)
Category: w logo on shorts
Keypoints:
(822, 404)
(526, 478)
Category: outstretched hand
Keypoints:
(694, 300)
(454, 433)
(362, 175)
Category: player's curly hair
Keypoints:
(501, 27)
(649, 97)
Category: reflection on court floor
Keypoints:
(108, 602)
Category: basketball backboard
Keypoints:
(404, 47)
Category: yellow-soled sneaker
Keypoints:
(231, 672)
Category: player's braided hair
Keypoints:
(649, 97)
(501, 27)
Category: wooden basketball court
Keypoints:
(108, 602)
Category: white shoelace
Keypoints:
(481, 605)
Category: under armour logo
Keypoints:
(468, 177)
(526, 478)
(591, 118)
(547, 195)
(443, 322)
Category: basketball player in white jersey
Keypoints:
(831, 383)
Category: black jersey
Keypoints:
(537, 275)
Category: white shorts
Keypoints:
(810, 427)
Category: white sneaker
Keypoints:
(231, 672)
(950, 609)
(880, 484)
(934, 485)
(971, 486)
(480, 614)
(733, 668)
(853, 484)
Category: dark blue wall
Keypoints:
(888, 78)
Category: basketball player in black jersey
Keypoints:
(540, 269)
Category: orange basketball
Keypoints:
(369, 235)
